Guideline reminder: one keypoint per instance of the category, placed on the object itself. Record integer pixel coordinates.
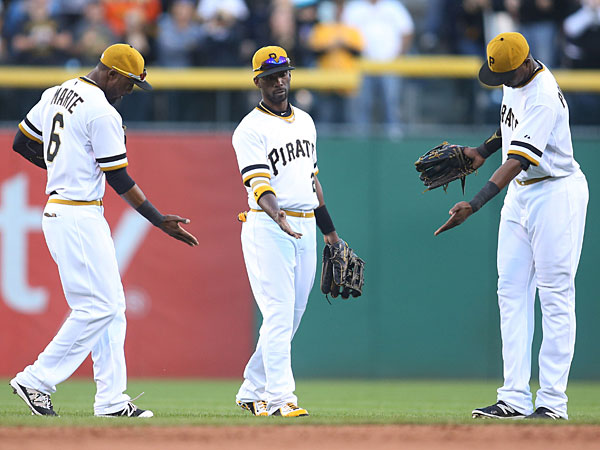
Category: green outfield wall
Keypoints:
(429, 307)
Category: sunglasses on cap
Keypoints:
(141, 77)
(280, 61)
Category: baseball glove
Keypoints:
(444, 164)
(342, 272)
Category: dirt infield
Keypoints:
(376, 437)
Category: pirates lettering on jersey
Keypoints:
(67, 98)
(508, 117)
(291, 151)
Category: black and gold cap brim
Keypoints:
(143, 84)
(486, 76)
(273, 70)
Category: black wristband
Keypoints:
(148, 210)
(486, 193)
(491, 145)
(323, 219)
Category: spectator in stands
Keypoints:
(40, 38)
(117, 11)
(455, 27)
(92, 35)
(221, 20)
(72, 11)
(179, 35)
(539, 21)
(306, 20)
(338, 47)
(582, 36)
(387, 29)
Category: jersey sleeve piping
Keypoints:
(253, 171)
(525, 149)
(112, 162)
(528, 157)
(26, 128)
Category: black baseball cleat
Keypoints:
(38, 402)
(498, 411)
(129, 411)
(544, 413)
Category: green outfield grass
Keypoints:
(334, 402)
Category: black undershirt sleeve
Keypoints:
(29, 149)
(525, 163)
(491, 144)
(119, 180)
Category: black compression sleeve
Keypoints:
(119, 180)
(491, 144)
(525, 163)
(148, 210)
(486, 193)
(323, 219)
(29, 149)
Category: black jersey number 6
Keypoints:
(55, 136)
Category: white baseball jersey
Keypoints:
(534, 121)
(278, 154)
(83, 136)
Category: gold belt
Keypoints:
(243, 215)
(291, 213)
(532, 181)
(75, 202)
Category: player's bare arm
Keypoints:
(462, 210)
(170, 224)
(268, 203)
(331, 237)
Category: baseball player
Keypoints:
(541, 227)
(77, 135)
(275, 145)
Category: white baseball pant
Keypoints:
(80, 243)
(539, 245)
(281, 271)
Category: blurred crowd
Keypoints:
(331, 34)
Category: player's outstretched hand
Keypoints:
(172, 226)
(281, 219)
(458, 214)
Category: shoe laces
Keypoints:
(292, 406)
(261, 406)
(130, 408)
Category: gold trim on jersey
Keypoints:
(532, 180)
(306, 215)
(29, 135)
(60, 201)
(254, 175)
(524, 155)
(262, 189)
(535, 74)
(290, 118)
(108, 169)
(88, 81)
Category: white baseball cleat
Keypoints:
(257, 408)
(290, 410)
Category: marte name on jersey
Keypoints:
(282, 156)
(67, 98)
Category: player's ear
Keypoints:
(256, 82)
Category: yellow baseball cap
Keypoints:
(268, 60)
(128, 62)
(505, 53)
